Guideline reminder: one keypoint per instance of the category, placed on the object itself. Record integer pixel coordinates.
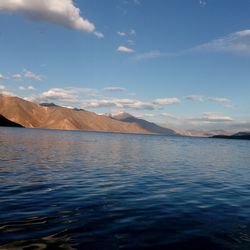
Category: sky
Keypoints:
(180, 63)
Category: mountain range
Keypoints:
(149, 126)
(51, 116)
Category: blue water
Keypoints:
(83, 190)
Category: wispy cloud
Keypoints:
(17, 77)
(203, 2)
(131, 42)
(152, 55)
(212, 117)
(2, 87)
(28, 75)
(195, 98)
(220, 100)
(234, 43)
(62, 12)
(32, 76)
(237, 42)
(114, 89)
(120, 33)
(124, 49)
(166, 101)
(26, 88)
(99, 34)
(2, 77)
(132, 32)
(5, 91)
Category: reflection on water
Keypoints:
(79, 190)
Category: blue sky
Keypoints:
(183, 64)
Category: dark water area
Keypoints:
(83, 190)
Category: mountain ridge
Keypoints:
(33, 115)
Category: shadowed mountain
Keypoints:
(4, 122)
(149, 126)
(240, 135)
(50, 104)
(32, 115)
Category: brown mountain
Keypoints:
(32, 115)
(149, 126)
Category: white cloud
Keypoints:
(167, 115)
(220, 100)
(194, 98)
(32, 76)
(131, 42)
(114, 89)
(166, 101)
(4, 91)
(7, 93)
(26, 88)
(27, 74)
(203, 3)
(152, 55)
(212, 117)
(59, 94)
(61, 12)
(129, 103)
(120, 33)
(237, 42)
(2, 87)
(31, 88)
(22, 88)
(118, 103)
(72, 95)
(99, 34)
(125, 49)
(2, 77)
(17, 76)
(63, 95)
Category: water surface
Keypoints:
(85, 190)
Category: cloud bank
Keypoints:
(72, 95)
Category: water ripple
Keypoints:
(77, 190)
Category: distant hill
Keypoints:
(51, 116)
(4, 122)
(202, 133)
(239, 135)
(149, 126)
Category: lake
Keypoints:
(87, 190)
